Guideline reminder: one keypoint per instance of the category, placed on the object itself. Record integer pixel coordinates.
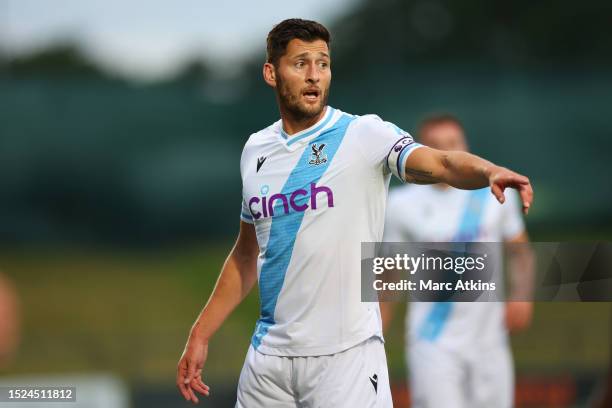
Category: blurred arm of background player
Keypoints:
(237, 278)
(9, 321)
(521, 264)
(387, 310)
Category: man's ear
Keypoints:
(269, 74)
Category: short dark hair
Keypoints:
(437, 119)
(287, 30)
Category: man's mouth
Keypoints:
(311, 95)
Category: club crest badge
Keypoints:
(318, 156)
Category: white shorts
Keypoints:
(356, 377)
(481, 378)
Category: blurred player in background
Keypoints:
(459, 353)
(314, 187)
(9, 321)
(603, 396)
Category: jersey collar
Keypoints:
(298, 139)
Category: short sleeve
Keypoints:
(245, 214)
(384, 143)
(512, 219)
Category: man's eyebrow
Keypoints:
(305, 54)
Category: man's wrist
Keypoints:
(197, 335)
(488, 169)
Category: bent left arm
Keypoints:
(465, 171)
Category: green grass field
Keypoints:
(129, 313)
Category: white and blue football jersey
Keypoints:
(433, 214)
(313, 197)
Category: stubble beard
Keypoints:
(292, 105)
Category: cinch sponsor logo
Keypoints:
(298, 200)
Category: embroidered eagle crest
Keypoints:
(318, 156)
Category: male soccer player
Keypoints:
(458, 353)
(314, 185)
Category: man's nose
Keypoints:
(312, 74)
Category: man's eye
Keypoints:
(299, 64)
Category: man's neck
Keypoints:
(441, 186)
(292, 125)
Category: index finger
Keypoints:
(199, 386)
(526, 193)
(521, 179)
(197, 383)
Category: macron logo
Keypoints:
(298, 200)
(260, 162)
(374, 381)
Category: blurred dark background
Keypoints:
(119, 198)
(91, 158)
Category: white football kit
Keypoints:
(458, 353)
(314, 197)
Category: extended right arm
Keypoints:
(237, 278)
